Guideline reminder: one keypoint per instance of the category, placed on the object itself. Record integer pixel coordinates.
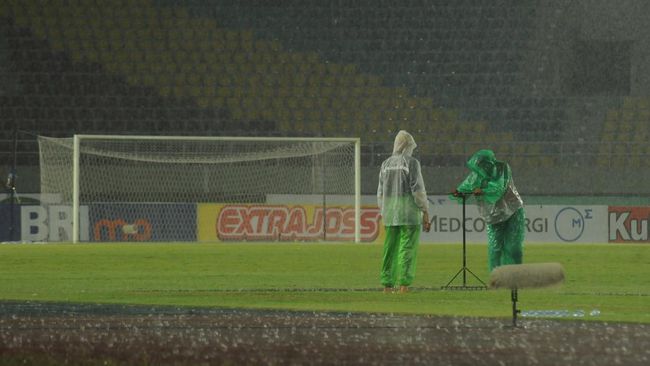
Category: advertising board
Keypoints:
(544, 224)
(628, 224)
(302, 222)
(143, 222)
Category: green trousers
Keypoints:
(506, 240)
(400, 253)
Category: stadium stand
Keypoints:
(143, 52)
(625, 135)
(451, 71)
(461, 54)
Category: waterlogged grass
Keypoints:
(614, 279)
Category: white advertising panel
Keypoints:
(52, 223)
(544, 224)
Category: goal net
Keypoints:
(164, 188)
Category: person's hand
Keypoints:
(478, 191)
(426, 224)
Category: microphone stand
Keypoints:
(464, 270)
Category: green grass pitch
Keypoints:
(615, 279)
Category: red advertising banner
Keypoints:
(284, 223)
(628, 224)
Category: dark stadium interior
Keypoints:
(548, 85)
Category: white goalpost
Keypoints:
(201, 188)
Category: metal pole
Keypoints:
(464, 241)
(324, 197)
(357, 191)
(75, 189)
(515, 311)
(11, 186)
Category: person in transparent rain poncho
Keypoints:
(499, 203)
(402, 199)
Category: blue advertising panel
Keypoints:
(9, 223)
(142, 222)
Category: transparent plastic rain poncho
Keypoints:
(401, 194)
(500, 206)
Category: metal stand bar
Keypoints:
(464, 270)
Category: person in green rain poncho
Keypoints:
(402, 199)
(499, 203)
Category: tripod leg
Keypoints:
(453, 278)
(476, 277)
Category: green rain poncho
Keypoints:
(500, 206)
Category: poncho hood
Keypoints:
(487, 173)
(404, 143)
(483, 163)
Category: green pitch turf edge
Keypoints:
(613, 279)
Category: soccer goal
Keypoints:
(179, 188)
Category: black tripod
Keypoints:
(464, 270)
